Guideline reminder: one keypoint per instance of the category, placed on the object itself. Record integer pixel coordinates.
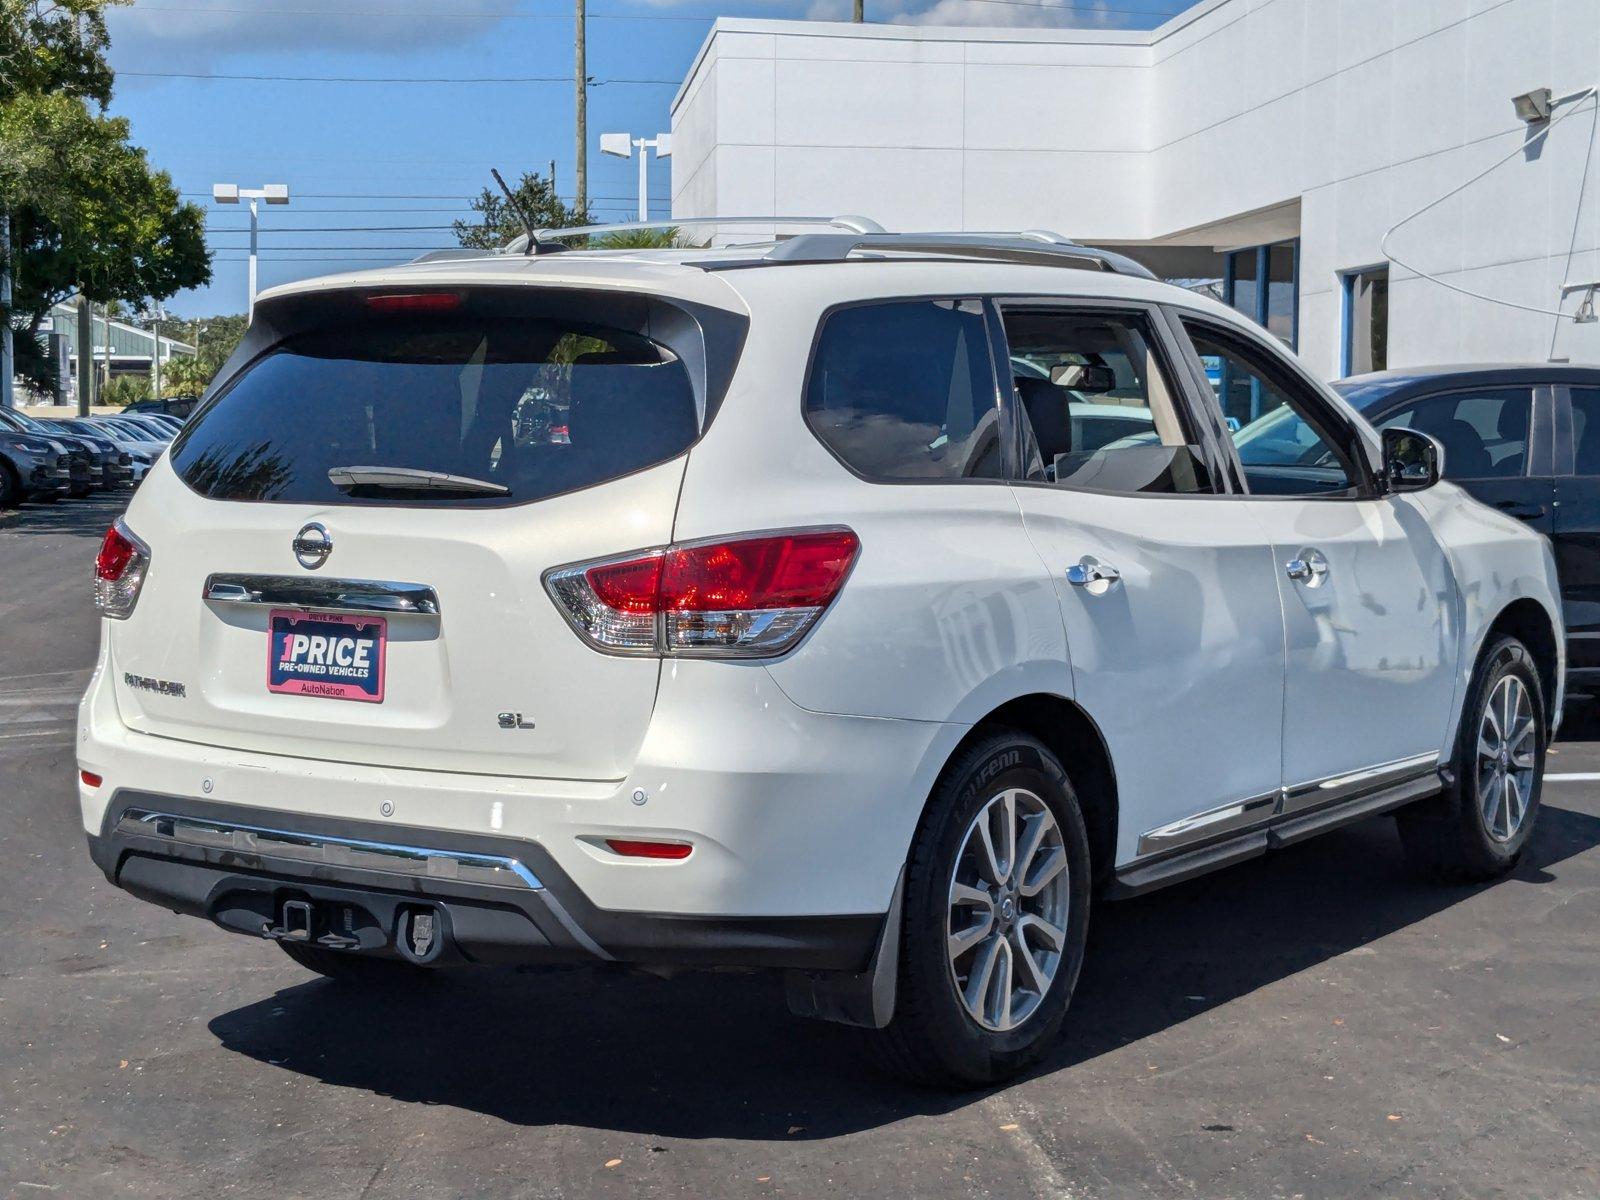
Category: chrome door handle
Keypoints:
(1090, 571)
(1310, 568)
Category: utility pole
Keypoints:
(85, 350)
(861, 12)
(582, 97)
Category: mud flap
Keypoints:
(864, 998)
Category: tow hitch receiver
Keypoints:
(295, 924)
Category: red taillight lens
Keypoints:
(744, 597)
(119, 571)
(628, 587)
(413, 302)
(90, 778)
(636, 849)
(792, 570)
(116, 552)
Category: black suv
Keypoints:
(1524, 438)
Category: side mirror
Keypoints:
(1411, 460)
(1089, 378)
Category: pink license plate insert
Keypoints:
(335, 655)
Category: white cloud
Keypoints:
(200, 35)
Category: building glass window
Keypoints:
(1263, 283)
(1366, 321)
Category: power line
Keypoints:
(451, 14)
(403, 78)
(1093, 9)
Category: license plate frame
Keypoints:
(314, 667)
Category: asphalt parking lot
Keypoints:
(1312, 1024)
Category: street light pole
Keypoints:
(232, 193)
(622, 145)
(157, 316)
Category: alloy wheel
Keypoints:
(1007, 919)
(1507, 745)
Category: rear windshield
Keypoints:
(513, 409)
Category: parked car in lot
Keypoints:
(158, 431)
(31, 468)
(178, 407)
(139, 454)
(819, 644)
(1524, 438)
(89, 461)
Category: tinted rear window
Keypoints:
(537, 406)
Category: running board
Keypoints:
(1139, 877)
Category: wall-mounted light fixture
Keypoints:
(1533, 107)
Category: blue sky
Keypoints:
(386, 155)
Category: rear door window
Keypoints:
(906, 390)
(483, 411)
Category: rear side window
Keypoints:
(512, 409)
(905, 390)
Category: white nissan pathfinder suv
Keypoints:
(762, 607)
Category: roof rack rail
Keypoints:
(546, 241)
(1038, 247)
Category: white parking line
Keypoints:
(1574, 777)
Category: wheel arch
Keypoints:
(1075, 739)
(1530, 623)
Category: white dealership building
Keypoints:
(1266, 146)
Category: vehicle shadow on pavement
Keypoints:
(82, 518)
(718, 1056)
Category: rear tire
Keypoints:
(978, 1016)
(10, 487)
(1499, 771)
(357, 970)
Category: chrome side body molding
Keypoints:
(1247, 828)
(249, 845)
(378, 596)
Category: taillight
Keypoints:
(119, 571)
(749, 597)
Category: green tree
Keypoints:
(639, 239)
(497, 224)
(86, 212)
(185, 377)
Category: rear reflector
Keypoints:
(413, 302)
(119, 571)
(670, 850)
(90, 778)
(744, 597)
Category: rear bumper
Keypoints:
(800, 823)
(498, 900)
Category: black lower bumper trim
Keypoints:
(245, 892)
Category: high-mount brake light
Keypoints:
(747, 597)
(413, 302)
(119, 571)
